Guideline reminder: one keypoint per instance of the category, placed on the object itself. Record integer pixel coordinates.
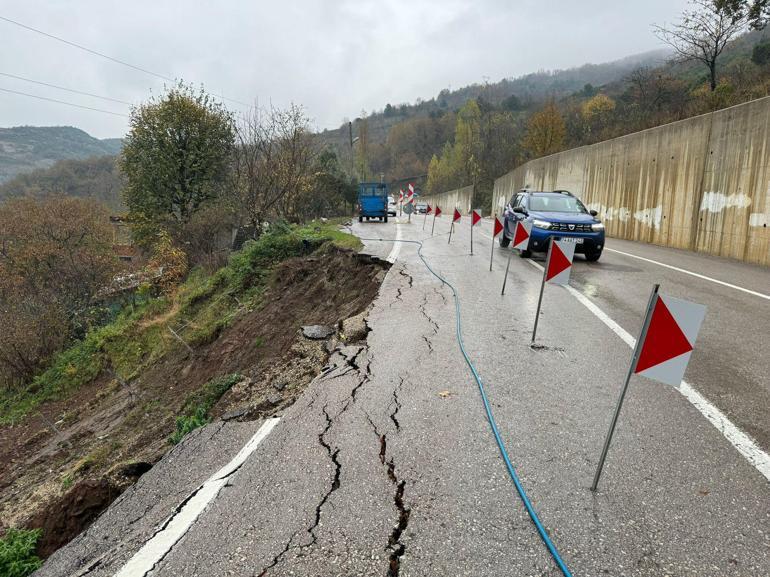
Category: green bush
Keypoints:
(208, 395)
(197, 406)
(760, 55)
(187, 424)
(17, 553)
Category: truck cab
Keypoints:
(373, 201)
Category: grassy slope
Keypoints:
(205, 304)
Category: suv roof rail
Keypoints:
(563, 191)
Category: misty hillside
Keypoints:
(526, 90)
(26, 148)
(96, 177)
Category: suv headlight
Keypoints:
(597, 226)
(541, 224)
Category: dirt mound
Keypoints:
(60, 467)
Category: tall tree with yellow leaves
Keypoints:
(545, 131)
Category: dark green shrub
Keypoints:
(187, 424)
(17, 553)
(760, 55)
(197, 406)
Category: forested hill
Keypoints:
(26, 148)
(513, 93)
(97, 178)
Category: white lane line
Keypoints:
(695, 274)
(396, 246)
(161, 543)
(745, 445)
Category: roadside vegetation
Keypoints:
(195, 412)
(200, 308)
(17, 553)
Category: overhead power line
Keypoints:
(64, 88)
(86, 49)
(63, 102)
(110, 58)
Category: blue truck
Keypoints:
(372, 201)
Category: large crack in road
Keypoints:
(351, 364)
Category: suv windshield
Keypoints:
(555, 203)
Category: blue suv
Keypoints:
(557, 214)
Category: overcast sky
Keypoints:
(336, 58)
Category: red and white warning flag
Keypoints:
(457, 216)
(559, 262)
(498, 227)
(428, 210)
(411, 189)
(521, 235)
(438, 211)
(400, 195)
(669, 341)
(475, 216)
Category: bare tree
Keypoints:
(704, 31)
(272, 164)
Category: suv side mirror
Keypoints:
(592, 212)
(519, 209)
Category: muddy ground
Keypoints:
(65, 463)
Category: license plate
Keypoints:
(575, 239)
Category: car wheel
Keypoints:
(593, 256)
(504, 240)
(525, 253)
(386, 219)
(360, 219)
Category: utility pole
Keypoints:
(350, 134)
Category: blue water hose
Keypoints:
(490, 417)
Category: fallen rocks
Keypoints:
(354, 329)
(235, 414)
(318, 332)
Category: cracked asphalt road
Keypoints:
(387, 466)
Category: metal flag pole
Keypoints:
(451, 228)
(472, 232)
(507, 266)
(434, 222)
(631, 369)
(542, 286)
(492, 252)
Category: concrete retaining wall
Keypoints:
(701, 184)
(460, 198)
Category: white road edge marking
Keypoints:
(695, 274)
(745, 445)
(176, 526)
(396, 246)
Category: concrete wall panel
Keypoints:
(700, 184)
